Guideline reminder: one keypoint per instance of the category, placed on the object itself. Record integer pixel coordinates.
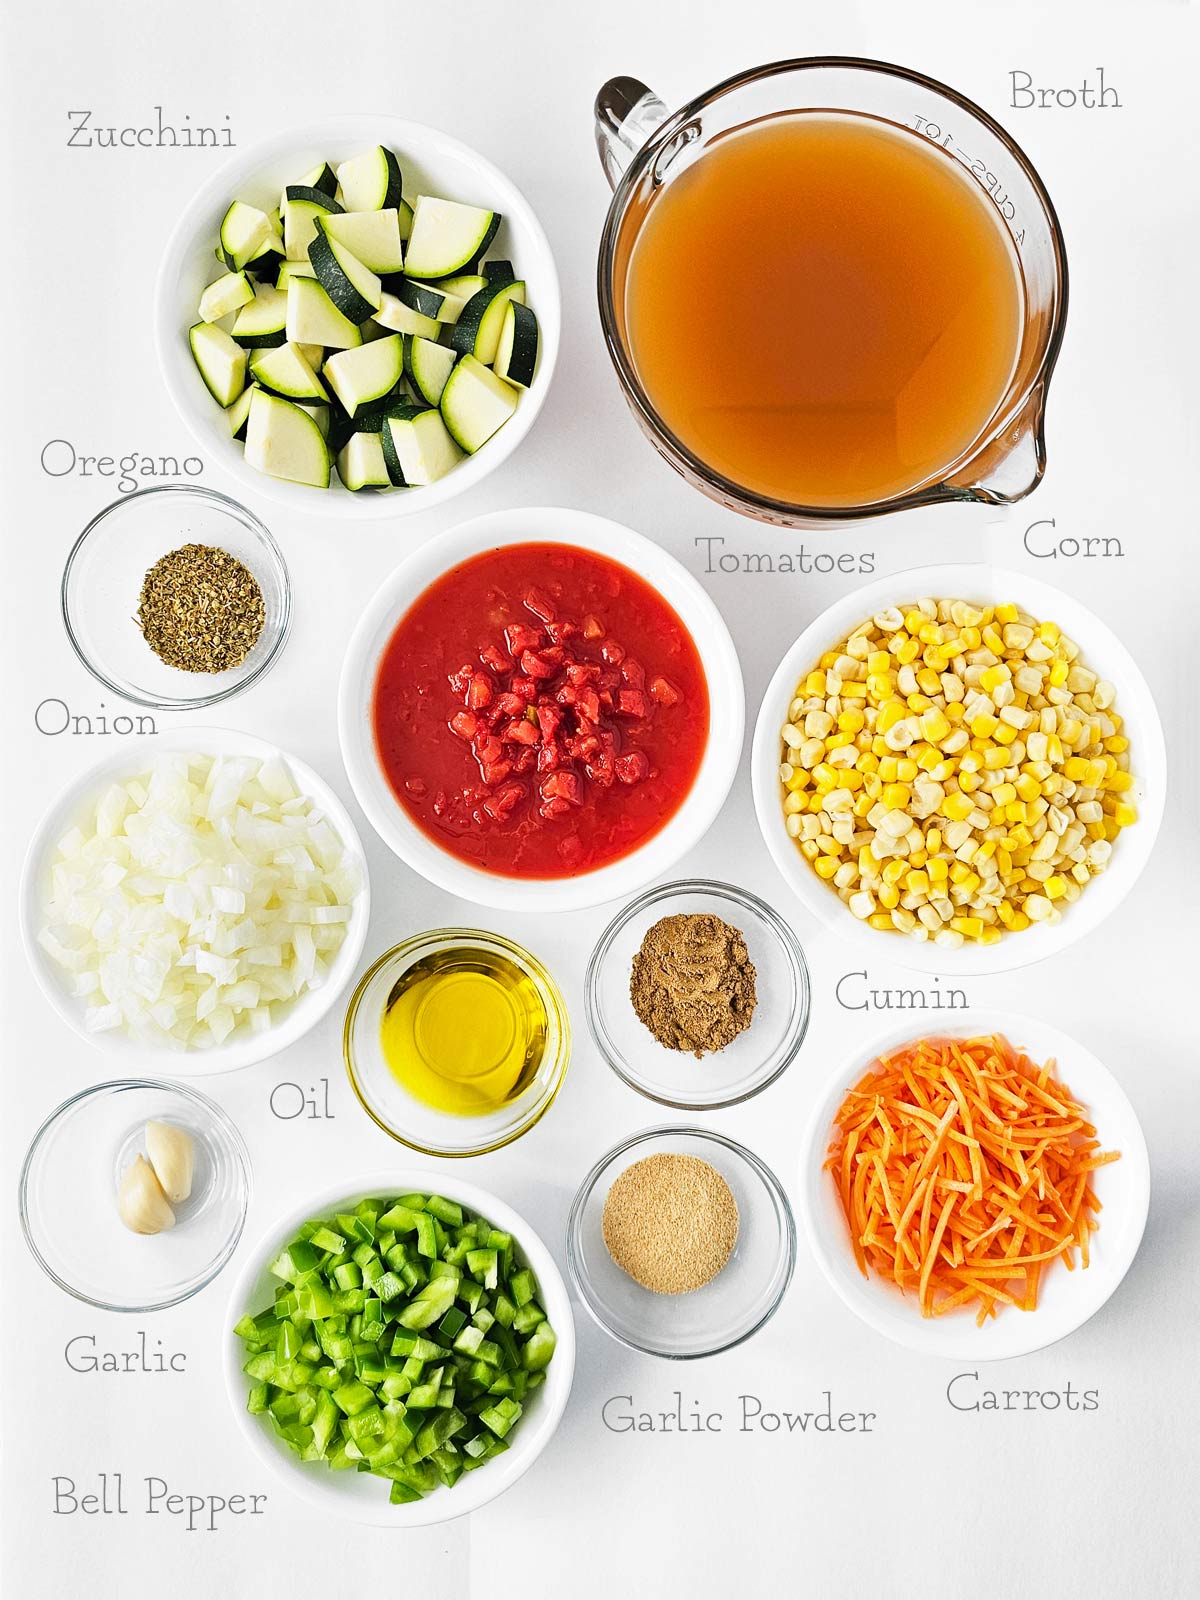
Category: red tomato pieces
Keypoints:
(541, 728)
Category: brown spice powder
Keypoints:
(201, 609)
(670, 1222)
(693, 983)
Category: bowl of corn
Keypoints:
(960, 768)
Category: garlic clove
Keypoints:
(172, 1153)
(142, 1205)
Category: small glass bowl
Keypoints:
(102, 584)
(731, 1307)
(759, 1053)
(68, 1196)
(409, 1120)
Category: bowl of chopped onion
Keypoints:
(197, 908)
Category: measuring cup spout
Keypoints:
(1011, 464)
(627, 113)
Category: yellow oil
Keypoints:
(464, 1030)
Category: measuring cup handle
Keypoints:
(627, 113)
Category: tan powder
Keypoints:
(693, 983)
(671, 1222)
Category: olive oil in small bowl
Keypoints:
(456, 1041)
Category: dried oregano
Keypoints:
(200, 609)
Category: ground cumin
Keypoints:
(671, 1222)
(692, 983)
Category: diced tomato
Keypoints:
(534, 665)
(612, 653)
(465, 724)
(480, 692)
(540, 604)
(525, 759)
(633, 673)
(522, 732)
(593, 628)
(633, 703)
(580, 673)
(509, 705)
(562, 786)
(519, 637)
(588, 703)
(488, 749)
(549, 719)
(526, 688)
(633, 766)
(664, 693)
(492, 656)
(460, 681)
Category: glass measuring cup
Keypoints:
(643, 147)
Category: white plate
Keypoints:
(241, 1049)
(1066, 1299)
(431, 162)
(361, 1496)
(542, 525)
(1101, 650)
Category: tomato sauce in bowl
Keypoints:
(540, 711)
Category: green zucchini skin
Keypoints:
(421, 297)
(321, 198)
(337, 285)
(517, 352)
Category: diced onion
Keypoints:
(198, 900)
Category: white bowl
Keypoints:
(360, 1496)
(241, 1049)
(1066, 1299)
(432, 162)
(1101, 650)
(542, 525)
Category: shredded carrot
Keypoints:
(964, 1172)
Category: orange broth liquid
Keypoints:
(823, 309)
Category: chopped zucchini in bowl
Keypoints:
(362, 298)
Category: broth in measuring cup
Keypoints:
(824, 309)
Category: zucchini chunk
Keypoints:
(287, 372)
(371, 181)
(312, 317)
(222, 363)
(302, 209)
(427, 366)
(405, 214)
(418, 445)
(261, 324)
(447, 237)
(516, 353)
(498, 272)
(422, 297)
(229, 292)
(361, 463)
(457, 293)
(245, 232)
(394, 314)
(322, 177)
(475, 403)
(240, 410)
(477, 331)
(353, 288)
(320, 413)
(371, 236)
(359, 376)
(294, 269)
(284, 441)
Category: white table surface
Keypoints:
(933, 1503)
